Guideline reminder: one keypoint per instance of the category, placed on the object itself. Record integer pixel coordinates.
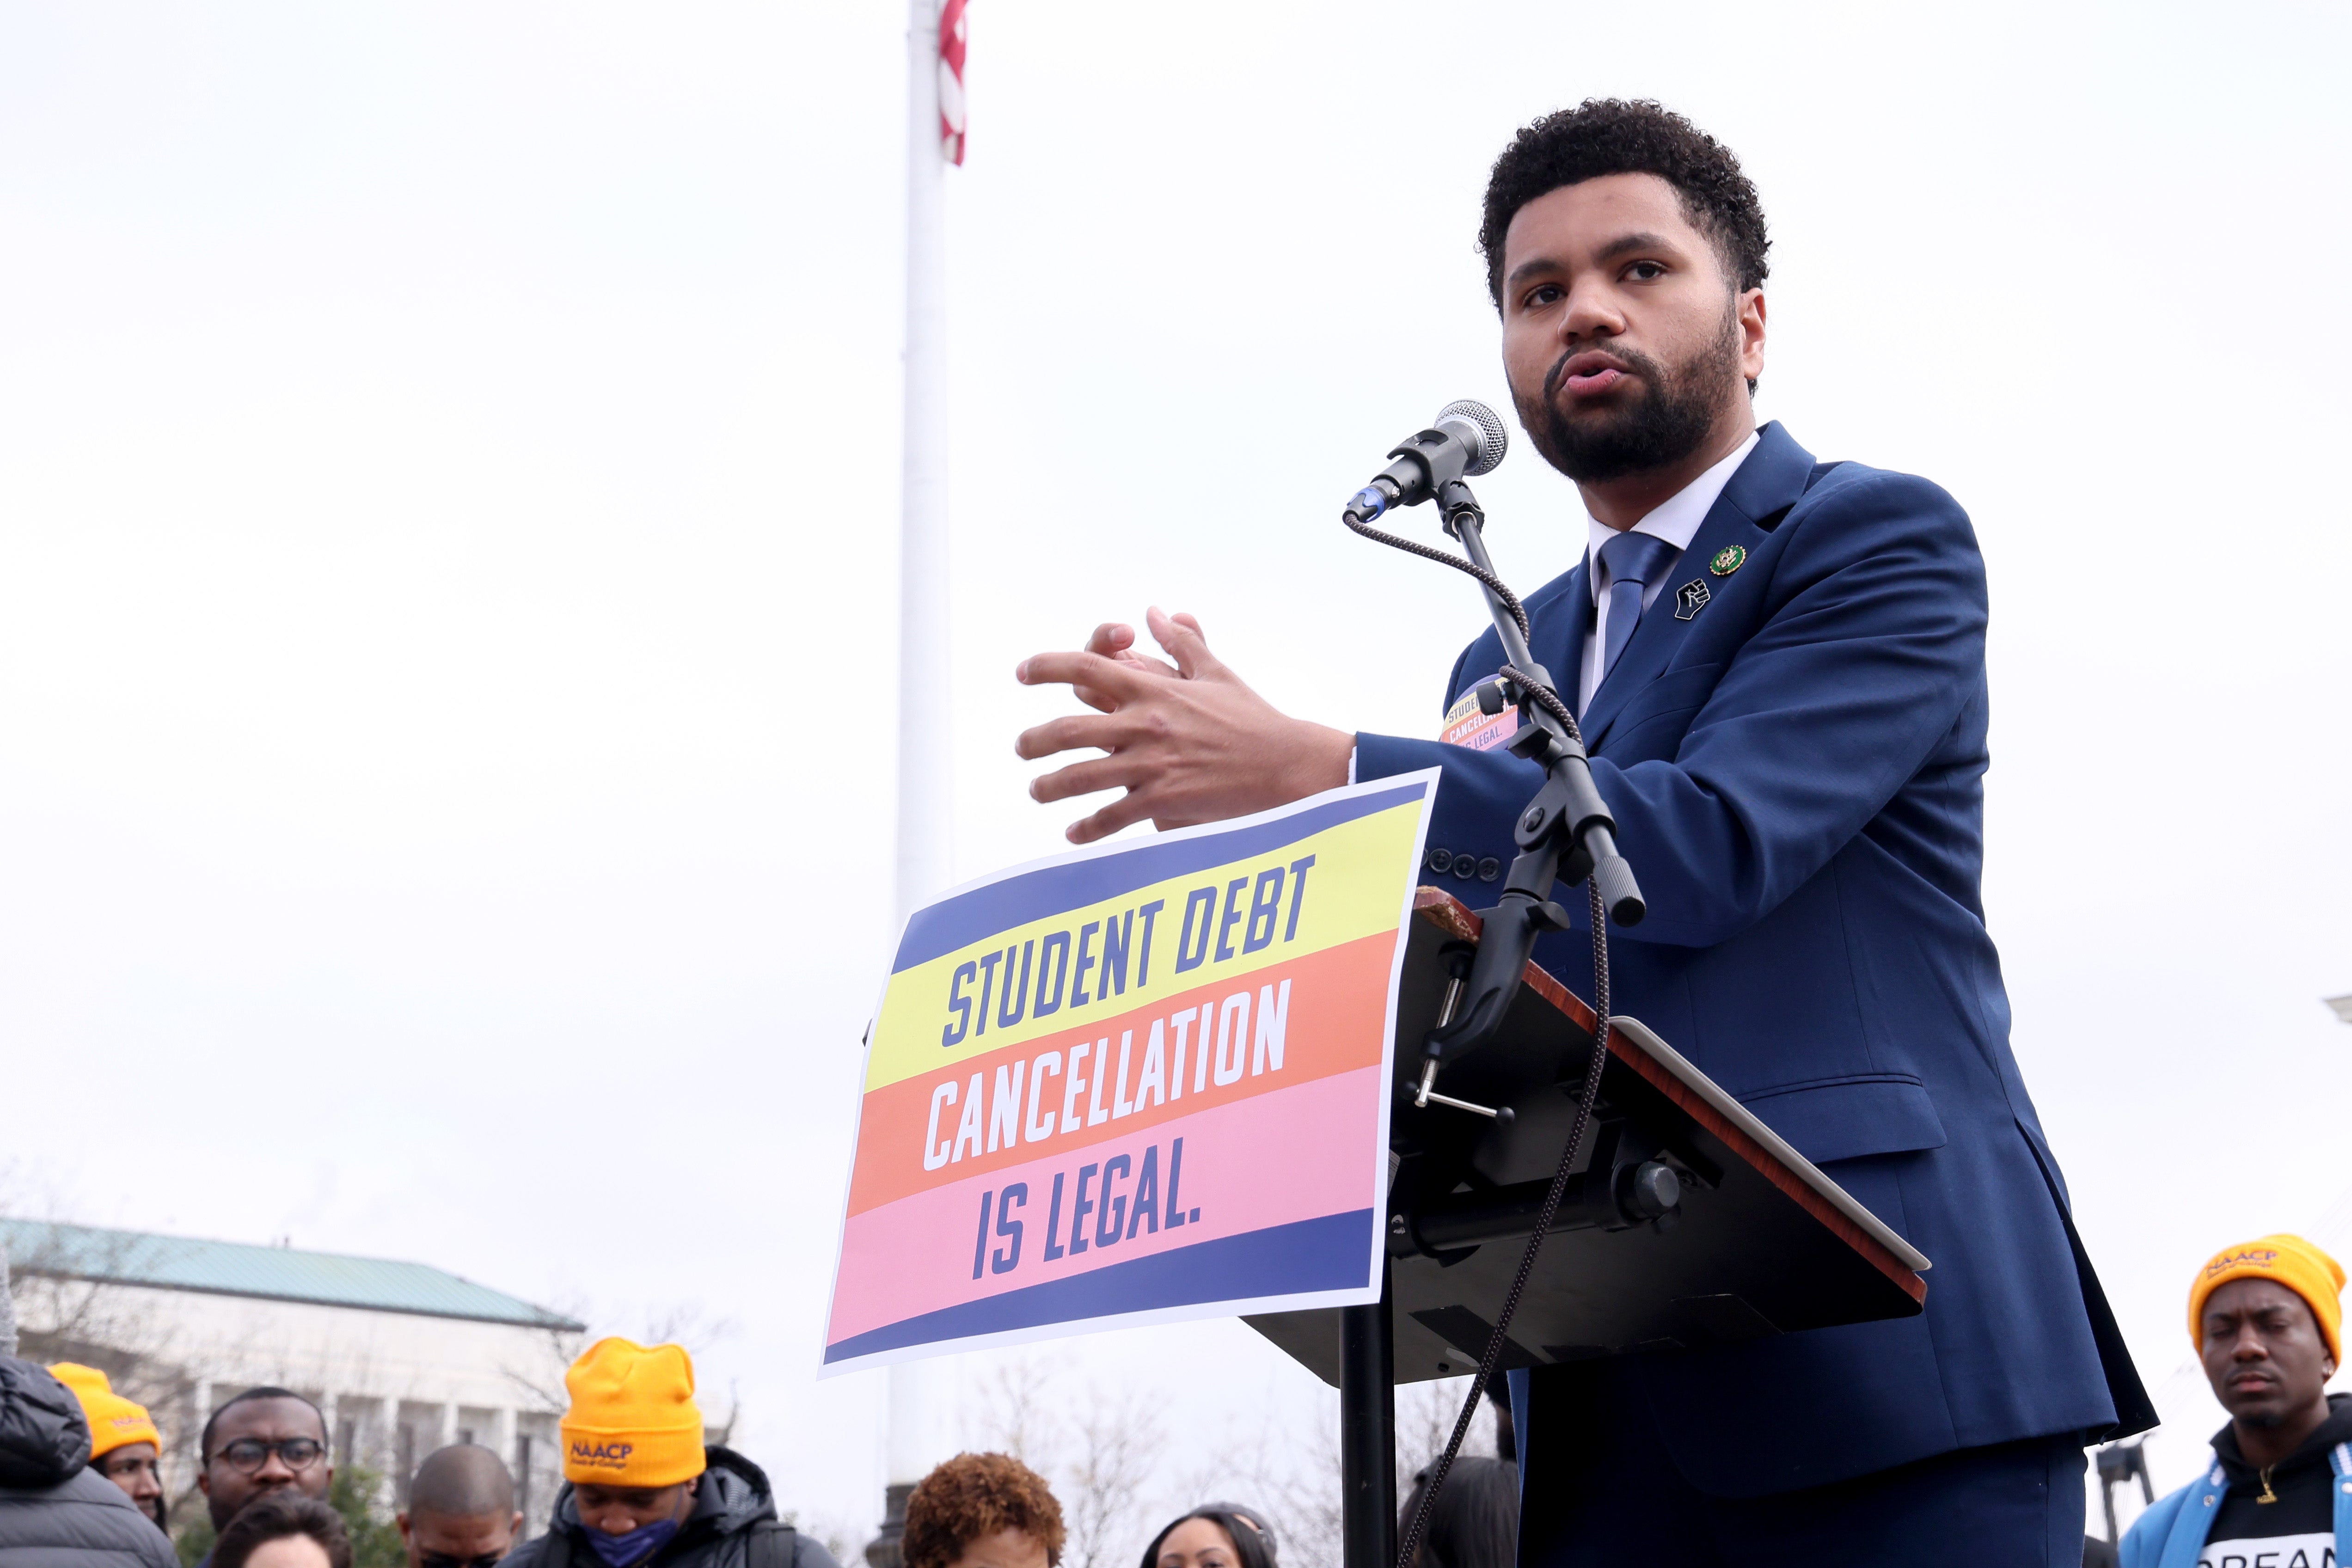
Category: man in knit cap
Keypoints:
(2267, 1317)
(124, 1445)
(642, 1490)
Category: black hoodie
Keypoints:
(733, 1525)
(54, 1510)
(2304, 1501)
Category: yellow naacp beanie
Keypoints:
(114, 1421)
(632, 1421)
(2294, 1263)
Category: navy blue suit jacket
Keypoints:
(1797, 774)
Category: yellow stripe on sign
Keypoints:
(1218, 924)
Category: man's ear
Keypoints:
(1749, 312)
(401, 1519)
(204, 1482)
(514, 1525)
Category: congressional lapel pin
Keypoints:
(1692, 597)
(1727, 560)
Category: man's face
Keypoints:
(616, 1510)
(2263, 1352)
(133, 1467)
(1625, 342)
(226, 1481)
(471, 1540)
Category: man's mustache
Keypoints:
(1558, 372)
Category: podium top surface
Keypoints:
(1753, 1240)
(1633, 1043)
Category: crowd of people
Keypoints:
(80, 1485)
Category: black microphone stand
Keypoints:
(1565, 835)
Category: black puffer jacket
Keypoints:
(56, 1511)
(733, 1525)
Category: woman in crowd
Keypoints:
(1214, 1535)
(284, 1530)
(124, 1445)
(1475, 1523)
(981, 1510)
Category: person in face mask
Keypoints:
(643, 1490)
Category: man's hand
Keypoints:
(1189, 743)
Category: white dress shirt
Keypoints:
(1675, 520)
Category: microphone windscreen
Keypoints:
(1492, 442)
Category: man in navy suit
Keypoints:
(1779, 665)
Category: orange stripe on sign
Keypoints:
(1331, 1022)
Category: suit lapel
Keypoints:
(1565, 658)
(1769, 481)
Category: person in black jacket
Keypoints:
(53, 1509)
(643, 1490)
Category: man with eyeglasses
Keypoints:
(264, 1440)
(461, 1509)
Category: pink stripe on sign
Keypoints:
(1294, 1154)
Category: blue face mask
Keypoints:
(620, 1551)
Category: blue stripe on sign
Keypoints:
(968, 917)
(1327, 1253)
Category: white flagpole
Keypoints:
(924, 719)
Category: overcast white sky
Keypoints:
(447, 504)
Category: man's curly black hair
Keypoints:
(1619, 136)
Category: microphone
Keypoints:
(1464, 441)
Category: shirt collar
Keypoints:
(1675, 520)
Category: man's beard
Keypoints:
(1669, 421)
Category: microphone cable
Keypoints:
(1495, 584)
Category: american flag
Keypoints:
(951, 43)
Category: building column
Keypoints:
(326, 1407)
(502, 1436)
(448, 1428)
(387, 1494)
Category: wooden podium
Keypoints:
(1689, 1223)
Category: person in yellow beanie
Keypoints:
(643, 1487)
(124, 1445)
(2267, 1317)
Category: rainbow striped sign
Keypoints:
(1135, 1084)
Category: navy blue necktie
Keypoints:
(1632, 561)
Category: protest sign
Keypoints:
(1133, 1084)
